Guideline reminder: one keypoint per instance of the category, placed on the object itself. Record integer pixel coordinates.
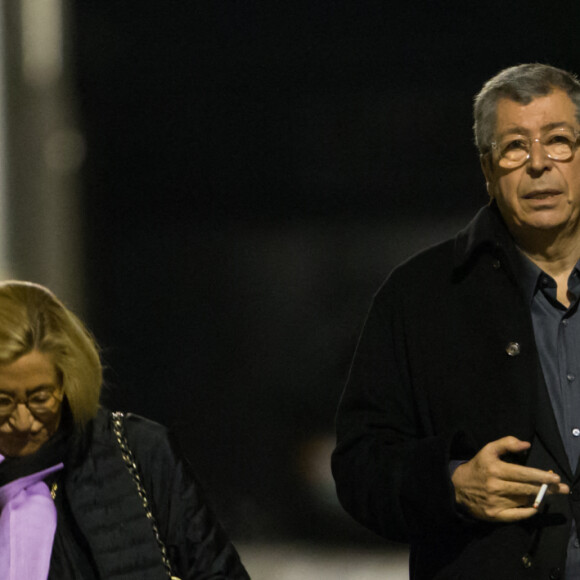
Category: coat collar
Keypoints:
(486, 230)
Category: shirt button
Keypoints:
(570, 377)
(496, 264)
(513, 349)
(576, 432)
(565, 322)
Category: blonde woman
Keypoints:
(86, 493)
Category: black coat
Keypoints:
(103, 505)
(447, 363)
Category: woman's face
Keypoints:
(30, 404)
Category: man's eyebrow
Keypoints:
(557, 125)
(518, 130)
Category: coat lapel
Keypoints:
(548, 431)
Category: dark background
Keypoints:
(254, 171)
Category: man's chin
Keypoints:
(547, 219)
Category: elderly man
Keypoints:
(459, 428)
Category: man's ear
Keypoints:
(486, 167)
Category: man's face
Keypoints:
(25, 428)
(541, 194)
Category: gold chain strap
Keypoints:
(131, 464)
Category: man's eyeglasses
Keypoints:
(514, 150)
(38, 403)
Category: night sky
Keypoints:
(254, 171)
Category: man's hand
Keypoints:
(494, 490)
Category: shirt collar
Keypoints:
(529, 275)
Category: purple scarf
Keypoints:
(27, 526)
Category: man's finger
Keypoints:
(522, 474)
(509, 444)
(510, 489)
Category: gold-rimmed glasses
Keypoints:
(513, 150)
(39, 402)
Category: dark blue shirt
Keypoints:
(557, 334)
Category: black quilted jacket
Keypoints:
(99, 498)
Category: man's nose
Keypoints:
(21, 419)
(538, 160)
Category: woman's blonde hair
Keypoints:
(33, 318)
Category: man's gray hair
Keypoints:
(522, 84)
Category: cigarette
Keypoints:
(541, 494)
